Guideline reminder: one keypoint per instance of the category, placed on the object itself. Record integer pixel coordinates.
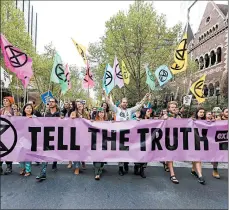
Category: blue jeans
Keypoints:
(26, 166)
(76, 164)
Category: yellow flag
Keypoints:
(125, 74)
(81, 49)
(180, 57)
(197, 89)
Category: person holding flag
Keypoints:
(123, 114)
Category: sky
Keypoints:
(84, 21)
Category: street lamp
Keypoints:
(217, 92)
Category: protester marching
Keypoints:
(131, 120)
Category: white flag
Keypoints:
(118, 79)
(6, 78)
(187, 100)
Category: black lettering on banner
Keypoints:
(156, 139)
(143, 132)
(185, 132)
(222, 139)
(34, 131)
(106, 138)
(175, 139)
(199, 138)
(181, 52)
(48, 138)
(123, 139)
(93, 131)
(73, 145)
(61, 145)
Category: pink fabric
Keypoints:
(67, 74)
(16, 61)
(88, 79)
(127, 141)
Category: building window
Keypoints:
(219, 53)
(197, 63)
(199, 39)
(216, 27)
(204, 35)
(201, 63)
(211, 89)
(206, 58)
(213, 29)
(205, 88)
(213, 58)
(207, 33)
(210, 31)
(208, 19)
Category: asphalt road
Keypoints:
(64, 190)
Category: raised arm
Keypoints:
(139, 106)
(111, 105)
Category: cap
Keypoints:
(100, 109)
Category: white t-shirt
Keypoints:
(124, 114)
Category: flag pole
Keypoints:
(24, 96)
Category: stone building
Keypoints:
(209, 48)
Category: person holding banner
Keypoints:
(224, 116)
(53, 112)
(98, 166)
(28, 112)
(123, 114)
(79, 113)
(7, 111)
(168, 166)
(107, 111)
(196, 166)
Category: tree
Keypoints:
(137, 37)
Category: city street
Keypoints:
(64, 190)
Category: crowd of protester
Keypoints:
(110, 112)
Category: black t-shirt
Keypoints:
(56, 114)
(37, 113)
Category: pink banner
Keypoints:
(55, 139)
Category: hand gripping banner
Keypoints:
(55, 139)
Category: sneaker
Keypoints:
(194, 174)
(215, 174)
(8, 171)
(201, 180)
(41, 178)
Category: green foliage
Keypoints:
(138, 37)
(13, 27)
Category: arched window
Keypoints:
(205, 89)
(219, 53)
(199, 39)
(204, 35)
(211, 89)
(213, 58)
(208, 19)
(207, 33)
(216, 27)
(213, 29)
(201, 63)
(197, 63)
(206, 58)
(210, 31)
